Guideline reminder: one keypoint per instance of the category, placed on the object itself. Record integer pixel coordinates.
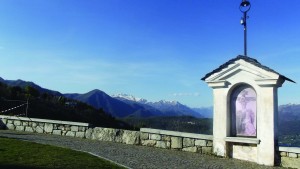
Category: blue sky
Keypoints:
(154, 49)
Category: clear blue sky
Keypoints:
(154, 49)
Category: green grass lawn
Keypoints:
(21, 154)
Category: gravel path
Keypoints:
(135, 157)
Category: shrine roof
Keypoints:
(249, 60)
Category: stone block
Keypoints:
(34, 124)
(150, 143)
(10, 126)
(70, 133)
(80, 128)
(41, 124)
(293, 155)
(155, 137)
(131, 137)
(188, 142)
(290, 162)
(4, 121)
(162, 144)
(206, 150)
(17, 123)
(283, 154)
(67, 128)
(166, 138)
(74, 128)
(25, 123)
(39, 129)
(80, 134)
(107, 134)
(29, 129)
(144, 136)
(190, 149)
(48, 128)
(209, 143)
(201, 143)
(20, 128)
(10, 122)
(57, 132)
(176, 142)
(63, 132)
(88, 133)
(60, 127)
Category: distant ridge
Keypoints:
(23, 84)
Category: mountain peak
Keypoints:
(129, 97)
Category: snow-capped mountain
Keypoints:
(163, 107)
(129, 97)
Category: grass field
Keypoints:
(18, 154)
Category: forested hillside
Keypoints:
(175, 123)
(48, 106)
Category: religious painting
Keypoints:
(243, 111)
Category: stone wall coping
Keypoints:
(242, 140)
(44, 120)
(290, 149)
(176, 133)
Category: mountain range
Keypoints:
(124, 105)
(120, 105)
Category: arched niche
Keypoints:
(243, 111)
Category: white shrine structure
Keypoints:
(245, 117)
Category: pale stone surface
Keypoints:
(155, 137)
(74, 128)
(177, 133)
(283, 154)
(88, 133)
(57, 132)
(48, 128)
(25, 123)
(131, 137)
(80, 134)
(70, 133)
(144, 136)
(39, 129)
(293, 155)
(201, 143)
(190, 149)
(209, 144)
(34, 124)
(166, 138)
(60, 127)
(206, 150)
(247, 153)
(188, 142)
(10, 122)
(41, 124)
(63, 132)
(4, 121)
(20, 128)
(10, 126)
(290, 162)
(150, 143)
(176, 142)
(29, 129)
(17, 123)
(162, 144)
(107, 134)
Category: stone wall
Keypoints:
(290, 157)
(56, 127)
(196, 143)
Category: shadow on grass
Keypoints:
(4, 166)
